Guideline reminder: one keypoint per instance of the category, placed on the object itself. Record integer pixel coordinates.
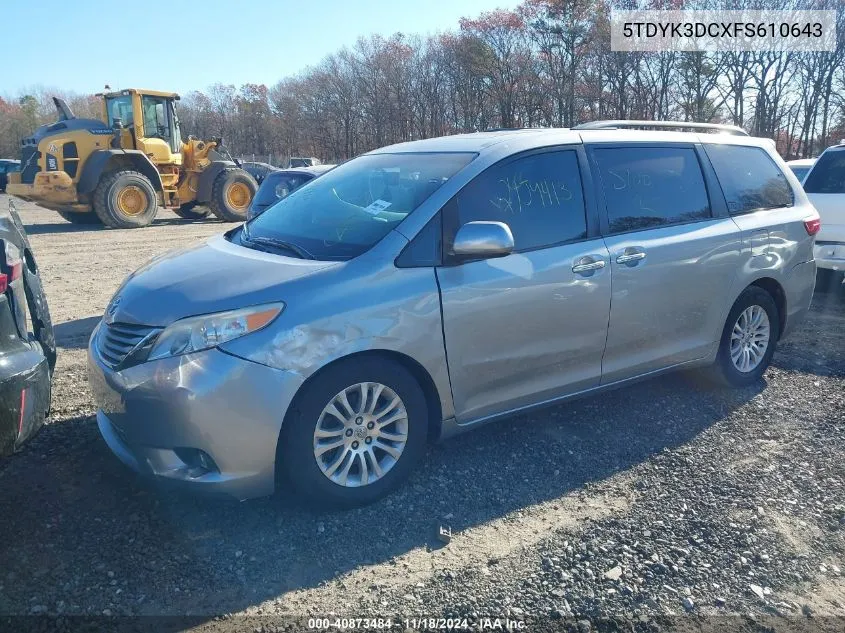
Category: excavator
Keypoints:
(122, 169)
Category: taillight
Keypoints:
(14, 267)
(813, 225)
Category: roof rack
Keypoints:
(673, 125)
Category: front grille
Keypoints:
(117, 340)
(29, 163)
(70, 158)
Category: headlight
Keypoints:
(210, 330)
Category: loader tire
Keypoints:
(192, 211)
(231, 194)
(125, 200)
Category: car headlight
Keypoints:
(193, 334)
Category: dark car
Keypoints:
(257, 170)
(6, 166)
(280, 183)
(300, 161)
(27, 344)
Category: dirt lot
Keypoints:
(659, 500)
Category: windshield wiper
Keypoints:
(272, 242)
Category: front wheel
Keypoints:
(749, 339)
(231, 194)
(125, 200)
(355, 433)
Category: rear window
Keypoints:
(800, 172)
(828, 174)
(649, 187)
(750, 179)
(278, 186)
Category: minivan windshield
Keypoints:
(345, 212)
(828, 174)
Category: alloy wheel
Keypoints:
(360, 434)
(750, 338)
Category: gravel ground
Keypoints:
(669, 503)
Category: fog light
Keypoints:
(198, 462)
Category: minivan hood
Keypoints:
(211, 277)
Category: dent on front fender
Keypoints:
(397, 312)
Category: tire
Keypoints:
(137, 208)
(296, 457)
(231, 194)
(192, 211)
(80, 217)
(725, 370)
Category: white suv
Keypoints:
(825, 187)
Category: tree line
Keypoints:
(545, 63)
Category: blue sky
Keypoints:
(183, 45)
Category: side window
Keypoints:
(828, 174)
(120, 108)
(538, 196)
(646, 187)
(155, 118)
(750, 179)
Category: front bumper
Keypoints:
(52, 189)
(229, 408)
(24, 396)
(830, 255)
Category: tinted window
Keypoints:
(828, 175)
(277, 186)
(799, 172)
(750, 179)
(538, 196)
(647, 187)
(285, 185)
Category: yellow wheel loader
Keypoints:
(122, 169)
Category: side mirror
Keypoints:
(252, 212)
(483, 240)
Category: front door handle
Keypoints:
(587, 264)
(630, 255)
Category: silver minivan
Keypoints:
(429, 287)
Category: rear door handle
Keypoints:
(587, 264)
(630, 255)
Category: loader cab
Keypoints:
(149, 121)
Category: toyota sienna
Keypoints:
(428, 287)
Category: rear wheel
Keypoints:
(232, 194)
(80, 217)
(748, 339)
(192, 211)
(355, 433)
(125, 200)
